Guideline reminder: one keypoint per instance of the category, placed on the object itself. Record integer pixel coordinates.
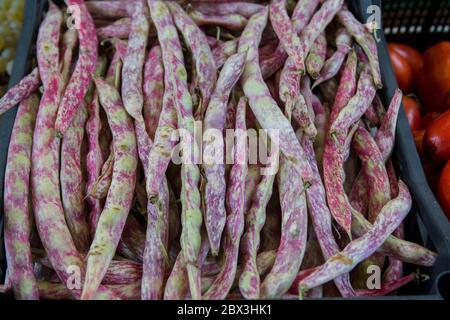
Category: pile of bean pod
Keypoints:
(96, 208)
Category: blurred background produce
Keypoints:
(418, 33)
(11, 15)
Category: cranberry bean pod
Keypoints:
(214, 169)
(262, 104)
(72, 182)
(357, 250)
(317, 55)
(82, 75)
(17, 211)
(120, 195)
(205, 68)
(47, 45)
(20, 91)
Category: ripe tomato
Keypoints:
(444, 190)
(411, 55)
(434, 84)
(429, 118)
(403, 71)
(436, 141)
(412, 110)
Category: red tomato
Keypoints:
(444, 190)
(412, 110)
(411, 55)
(429, 118)
(434, 84)
(403, 71)
(436, 141)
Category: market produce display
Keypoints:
(426, 78)
(122, 182)
(11, 15)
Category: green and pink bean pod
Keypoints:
(204, 150)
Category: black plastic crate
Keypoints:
(426, 224)
(421, 22)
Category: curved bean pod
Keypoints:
(205, 68)
(357, 250)
(120, 195)
(317, 55)
(153, 90)
(235, 204)
(262, 104)
(119, 29)
(46, 198)
(334, 63)
(47, 43)
(17, 211)
(286, 33)
(82, 75)
(72, 184)
(365, 40)
(20, 91)
(214, 169)
(133, 62)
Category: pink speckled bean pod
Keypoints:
(205, 68)
(286, 33)
(120, 195)
(82, 74)
(17, 211)
(69, 42)
(20, 91)
(321, 123)
(333, 157)
(317, 55)
(271, 64)
(334, 63)
(153, 90)
(119, 29)
(133, 62)
(365, 40)
(156, 244)
(249, 281)
(389, 218)
(243, 8)
(293, 233)
(214, 168)
(160, 154)
(402, 250)
(94, 157)
(388, 287)
(72, 182)
(99, 188)
(321, 219)
(378, 189)
(262, 104)
(47, 43)
(223, 51)
(110, 9)
(46, 199)
(384, 139)
(177, 285)
(176, 76)
(234, 22)
(374, 170)
(264, 261)
(235, 204)
(123, 272)
(56, 291)
(290, 78)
